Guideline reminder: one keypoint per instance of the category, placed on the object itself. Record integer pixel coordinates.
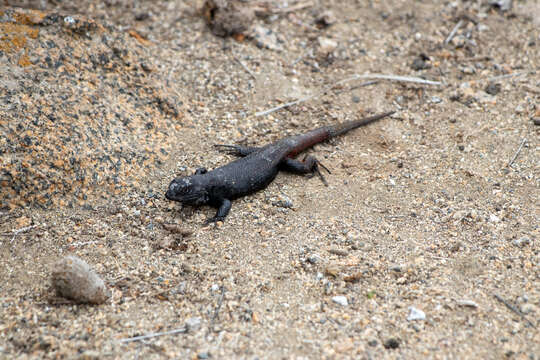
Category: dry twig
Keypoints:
(262, 9)
(21, 230)
(517, 152)
(453, 32)
(181, 330)
(245, 68)
(513, 309)
(396, 78)
(218, 307)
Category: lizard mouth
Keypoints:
(169, 195)
(186, 198)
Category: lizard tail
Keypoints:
(340, 129)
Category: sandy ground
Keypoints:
(435, 209)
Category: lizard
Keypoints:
(256, 168)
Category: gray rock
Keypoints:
(74, 279)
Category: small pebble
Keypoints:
(420, 64)
(89, 355)
(266, 38)
(528, 308)
(391, 343)
(521, 241)
(74, 279)
(326, 45)
(341, 300)
(177, 229)
(493, 88)
(325, 19)
(283, 202)
(203, 355)
(313, 259)
(504, 5)
(331, 270)
(193, 324)
(415, 314)
(227, 18)
(536, 121)
(339, 252)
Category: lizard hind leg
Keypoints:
(237, 150)
(309, 165)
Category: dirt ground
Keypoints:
(425, 244)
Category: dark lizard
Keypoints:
(256, 169)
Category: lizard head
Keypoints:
(190, 190)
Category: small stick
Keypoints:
(245, 68)
(354, 77)
(514, 309)
(366, 83)
(494, 78)
(261, 9)
(218, 307)
(453, 32)
(517, 152)
(476, 58)
(181, 330)
(21, 230)
(396, 78)
(292, 8)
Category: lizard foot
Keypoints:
(316, 169)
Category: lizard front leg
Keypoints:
(224, 206)
(237, 150)
(310, 165)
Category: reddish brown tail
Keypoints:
(340, 129)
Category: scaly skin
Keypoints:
(256, 169)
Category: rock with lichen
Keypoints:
(83, 113)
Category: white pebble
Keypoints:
(341, 300)
(416, 314)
